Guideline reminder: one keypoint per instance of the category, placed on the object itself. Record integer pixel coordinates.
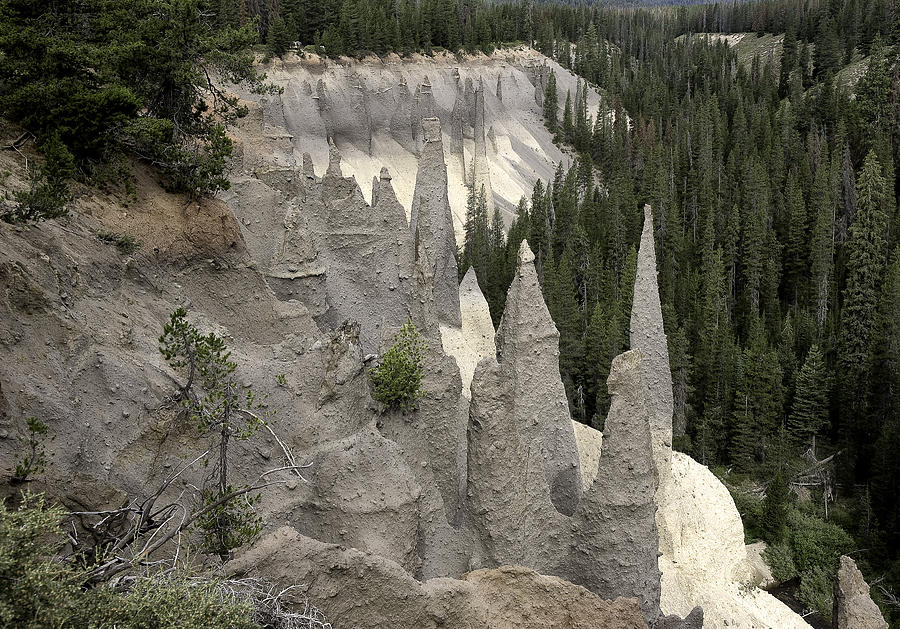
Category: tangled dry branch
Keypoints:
(272, 606)
(129, 537)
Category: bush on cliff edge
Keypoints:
(397, 381)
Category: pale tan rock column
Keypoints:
(853, 605)
(432, 219)
(528, 352)
(648, 335)
(615, 545)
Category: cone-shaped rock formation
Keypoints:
(853, 605)
(614, 552)
(647, 335)
(431, 217)
(528, 352)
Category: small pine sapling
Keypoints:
(397, 381)
(212, 401)
(34, 460)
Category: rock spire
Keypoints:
(647, 335)
(482, 178)
(528, 352)
(614, 551)
(853, 605)
(432, 218)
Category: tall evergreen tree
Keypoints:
(809, 414)
(866, 267)
(551, 104)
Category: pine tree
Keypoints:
(753, 237)
(551, 105)
(626, 289)
(278, 39)
(568, 127)
(603, 342)
(809, 414)
(796, 252)
(827, 55)
(822, 247)
(759, 399)
(788, 61)
(865, 267)
(775, 509)
(563, 307)
(498, 280)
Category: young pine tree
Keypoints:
(809, 414)
(551, 106)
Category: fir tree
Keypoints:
(568, 127)
(865, 273)
(775, 509)
(551, 105)
(809, 414)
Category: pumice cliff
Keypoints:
(373, 111)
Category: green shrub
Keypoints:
(123, 242)
(34, 457)
(751, 509)
(816, 543)
(37, 591)
(397, 381)
(817, 590)
(174, 602)
(40, 590)
(48, 193)
(87, 73)
(780, 559)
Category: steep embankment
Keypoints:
(373, 111)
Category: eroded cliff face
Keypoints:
(489, 110)
(404, 519)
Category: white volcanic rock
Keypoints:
(475, 340)
(704, 559)
(372, 109)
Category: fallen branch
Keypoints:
(18, 142)
(150, 527)
(287, 451)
